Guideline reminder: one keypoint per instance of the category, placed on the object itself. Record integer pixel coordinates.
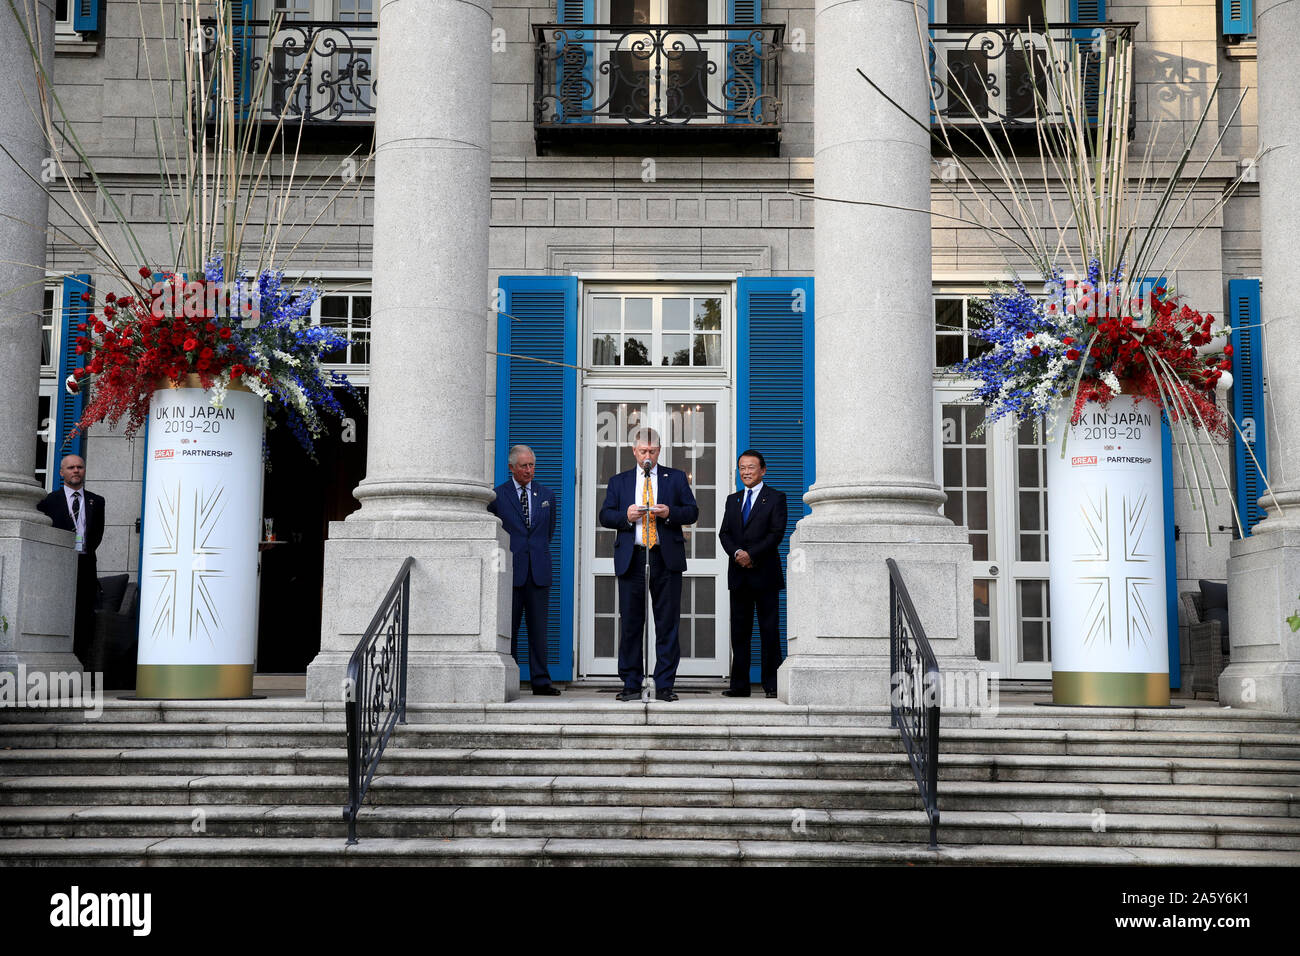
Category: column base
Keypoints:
(459, 613)
(38, 587)
(838, 607)
(1263, 589)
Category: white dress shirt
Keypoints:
(78, 520)
(640, 497)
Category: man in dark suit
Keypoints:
(73, 508)
(647, 506)
(528, 512)
(753, 527)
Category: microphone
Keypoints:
(647, 465)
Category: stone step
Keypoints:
(260, 851)
(690, 710)
(626, 823)
(578, 736)
(246, 761)
(649, 791)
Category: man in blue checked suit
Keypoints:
(527, 511)
(649, 524)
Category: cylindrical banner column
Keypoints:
(202, 522)
(1106, 516)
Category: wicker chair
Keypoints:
(1205, 643)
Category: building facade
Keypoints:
(570, 226)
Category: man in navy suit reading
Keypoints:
(527, 512)
(647, 506)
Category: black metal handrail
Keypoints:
(376, 690)
(913, 697)
(980, 72)
(316, 71)
(661, 75)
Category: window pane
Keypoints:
(708, 350)
(605, 314)
(677, 315)
(677, 350)
(47, 329)
(637, 314)
(947, 350)
(604, 350)
(708, 315)
(636, 350)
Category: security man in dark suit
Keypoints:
(73, 508)
(647, 506)
(527, 511)
(753, 527)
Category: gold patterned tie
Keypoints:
(648, 498)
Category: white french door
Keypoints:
(983, 75)
(694, 424)
(673, 80)
(996, 483)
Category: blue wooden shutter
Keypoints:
(1089, 11)
(575, 70)
(745, 83)
(87, 15)
(774, 395)
(243, 37)
(1171, 553)
(1238, 17)
(69, 408)
(537, 406)
(1247, 400)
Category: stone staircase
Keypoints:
(696, 782)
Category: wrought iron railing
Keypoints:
(657, 75)
(316, 71)
(914, 687)
(981, 72)
(376, 698)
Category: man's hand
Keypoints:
(633, 514)
(660, 511)
(744, 560)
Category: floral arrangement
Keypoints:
(1090, 341)
(260, 336)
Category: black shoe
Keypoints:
(735, 693)
(665, 695)
(550, 690)
(770, 693)
(629, 694)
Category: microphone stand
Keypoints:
(647, 676)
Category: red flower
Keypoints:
(85, 297)
(1029, 335)
(190, 345)
(1067, 340)
(1227, 350)
(110, 297)
(206, 353)
(81, 326)
(236, 371)
(1072, 354)
(224, 333)
(144, 272)
(1035, 350)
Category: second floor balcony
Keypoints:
(660, 86)
(996, 73)
(319, 73)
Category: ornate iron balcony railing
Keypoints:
(724, 77)
(980, 72)
(316, 71)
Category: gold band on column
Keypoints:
(1099, 689)
(193, 681)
